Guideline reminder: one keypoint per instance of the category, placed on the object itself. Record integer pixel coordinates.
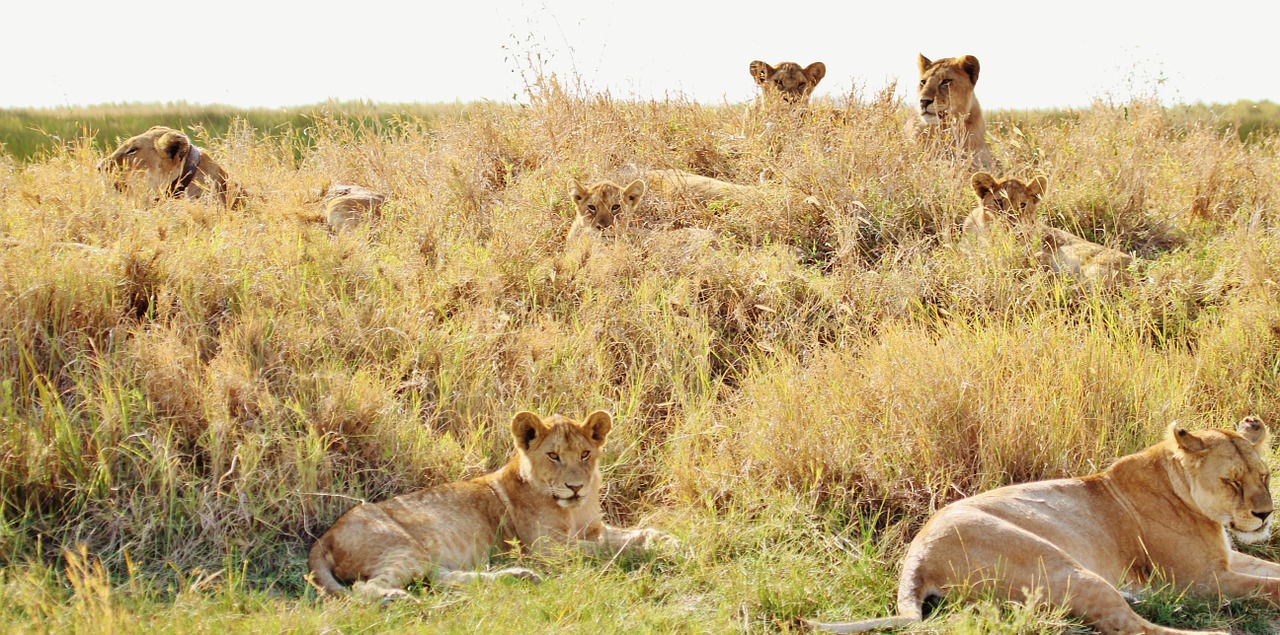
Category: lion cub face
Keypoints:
(946, 87)
(559, 456)
(788, 81)
(1010, 199)
(157, 156)
(1229, 478)
(601, 205)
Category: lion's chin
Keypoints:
(1251, 537)
(568, 503)
(929, 118)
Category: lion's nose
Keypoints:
(1263, 516)
(573, 488)
(925, 103)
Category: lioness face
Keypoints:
(946, 86)
(560, 456)
(156, 156)
(1228, 478)
(788, 81)
(1010, 198)
(601, 204)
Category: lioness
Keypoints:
(788, 81)
(1013, 201)
(601, 206)
(547, 494)
(693, 187)
(948, 107)
(170, 164)
(1076, 542)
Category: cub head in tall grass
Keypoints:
(166, 161)
(787, 82)
(948, 110)
(1010, 200)
(547, 496)
(602, 206)
(1160, 514)
(1013, 202)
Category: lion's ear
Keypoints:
(173, 144)
(969, 64)
(526, 427)
(633, 193)
(577, 192)
(1188, 441)
(815, 72)
(598, 425)
(1255, 431)
(1037, 186)
(924, 63)
(983, 184)
(760, 71)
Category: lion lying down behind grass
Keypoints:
(546, 496)
(1078, 542)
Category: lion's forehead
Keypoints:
(564, 434)
(604, 194)
(1236, 457)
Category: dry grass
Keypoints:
(186, 405)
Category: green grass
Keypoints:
(186, 405)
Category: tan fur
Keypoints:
(1013, 202)
(788, 81)
(679, 184)
(159, 156)
(948, 109)
(547, 496)
(346, 206)
(1078, 542)
(602, 206)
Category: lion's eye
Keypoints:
(1233, 485)
(585, 454)
(778, 83)
(132, 151)
(922, 83)
(945, 83)
(591, 208)
(553, 456)
(615, 207)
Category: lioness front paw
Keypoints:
(658, 540)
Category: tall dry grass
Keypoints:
(205, 390)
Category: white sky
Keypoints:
(268, 53)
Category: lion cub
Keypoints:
(948, 109)
(1013, 202)
(547, 495)
(170, 164)
(601, 206)
(1076, 542)
(788, 81)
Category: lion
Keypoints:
(948, 107)
(169, 163)
(1009, 200)
(1012, 201)
(1082, 543)
(788, 81)
(546, 496)
(345, 206)
(688, 186)
(601, 206)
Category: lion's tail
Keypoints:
(911, 596)
(321, 565)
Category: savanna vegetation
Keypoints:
(191, 394)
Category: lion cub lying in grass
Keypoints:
(1076, 542)
(1014, 202)
(547, 495)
